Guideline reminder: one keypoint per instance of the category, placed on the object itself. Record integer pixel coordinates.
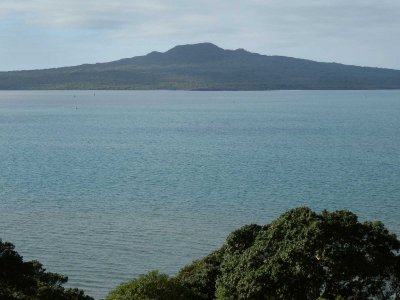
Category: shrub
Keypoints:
(152, 286)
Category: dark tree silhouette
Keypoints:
(30, 281)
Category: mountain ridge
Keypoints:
(204, 66)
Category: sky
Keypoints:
(36, 34)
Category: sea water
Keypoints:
(105, 185)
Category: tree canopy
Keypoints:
(153, 285)
(30, 281)
(300, 255)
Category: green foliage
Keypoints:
(200, 276)
(300, 255)
(152, 286)
(336, 298)
(304, 255)
(275, 264)
(30, 281)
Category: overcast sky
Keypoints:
(52, 33)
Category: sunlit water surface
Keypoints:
(103, 186)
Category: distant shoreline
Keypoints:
(166, 90)
(204, 67)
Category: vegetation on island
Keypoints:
(300, 255)
(204, 67)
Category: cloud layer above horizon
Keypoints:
(52, 33)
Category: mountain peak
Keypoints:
(195, 47)
(201, 52)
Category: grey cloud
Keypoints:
(101, 14)
(81, 14)
(287, 27)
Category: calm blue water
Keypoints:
(134, 181)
